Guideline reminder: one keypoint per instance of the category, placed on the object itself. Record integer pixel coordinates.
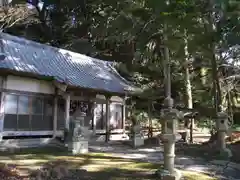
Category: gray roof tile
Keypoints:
(75, 69)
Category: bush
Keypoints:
(51, 171)
(8, 172)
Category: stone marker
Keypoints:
(138, 138)
(222, 128)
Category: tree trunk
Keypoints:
(215, 77)
(203, 72)
(188, 88)
(150, 128)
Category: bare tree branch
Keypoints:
(13, 15)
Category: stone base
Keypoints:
(80, 147)
(171, 177)
(166, 175)
(225, 153)
(138, 141)
(113, 137)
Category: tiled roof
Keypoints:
(75, 69)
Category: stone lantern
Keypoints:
(169, 116)
(78, 134)
(223, 128)
(169, 136)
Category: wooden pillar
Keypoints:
(1, 114)
(94, 123)
(107, 137)
(191, 129)
(55, 116)
(2, 85)
(67, 110)
(124, 114)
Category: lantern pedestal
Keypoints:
(166, 175)
(79, 141)
(169, 136)
(79, 147)
(138, 138)
(169, 172)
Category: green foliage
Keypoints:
(131, 33)
(206, 123)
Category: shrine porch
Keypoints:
(60, 109)
(34, 115)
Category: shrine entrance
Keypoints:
(85, 108)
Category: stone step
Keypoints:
(24, 143)
(113, 137)
(39, 142)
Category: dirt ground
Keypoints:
(209, 150)
(201, 148)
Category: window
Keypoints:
(42, 113)
(27, 113)
(37, 105)
(23, 105)
(37, 114)
(10, 109)
(61, 114)
(23, 111)
(10, 104)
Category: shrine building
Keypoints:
(42, 87)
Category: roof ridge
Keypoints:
(36, 44)
(117, 73)
(120, 77)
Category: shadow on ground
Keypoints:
(55, 163)
(57, 172)
(207, 151)
(52, 163)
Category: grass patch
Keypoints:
(236, 127)
(197, 176)
(98, 165)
